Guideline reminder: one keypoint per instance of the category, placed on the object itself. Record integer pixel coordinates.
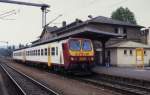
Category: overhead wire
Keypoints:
(6, 14)
(118, 3)
(97, 1)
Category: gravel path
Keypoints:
(3, 89)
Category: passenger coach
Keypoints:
(70, 54)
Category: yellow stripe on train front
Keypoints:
(81, 53)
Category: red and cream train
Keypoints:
(70, 54)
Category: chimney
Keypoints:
(77, 20)
(90, 16)
(64, 23)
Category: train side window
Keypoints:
(45, 51)
(32, 52)
(26, 53)
(35, 52)
(56, 50)
(29, 53)
(39, 52)
(145, 53)
(53, 51)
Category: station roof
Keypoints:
(106, 20)
(129, 44)
(97, 20)
(86, 32)
(48, 29)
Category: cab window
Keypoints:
(86, 45)
(74, 44)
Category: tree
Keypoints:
(124, 14)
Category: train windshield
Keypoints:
(74, 44)
(86, 45)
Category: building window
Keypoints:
(121, 30)
(125, 52)
(53, 51)
(116, 30)
(45, 51)
(145, 53)
(108, 53)
(131, 52)
(124, 31)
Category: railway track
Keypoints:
(113, 84)
(124, 88)
(26, 84)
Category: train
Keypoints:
(72, 54)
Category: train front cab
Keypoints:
(78, 54)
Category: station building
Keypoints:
(119, 51)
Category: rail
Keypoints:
(26, 84)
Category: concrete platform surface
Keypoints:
(134, 73)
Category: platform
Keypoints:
(132, 73)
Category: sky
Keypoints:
(24, 25)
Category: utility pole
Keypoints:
(43, 8)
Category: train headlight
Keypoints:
(92, 58)
(72, 59)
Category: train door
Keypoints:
(24, 55)
(49, 57)
(55, 55)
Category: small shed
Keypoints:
(124, 53)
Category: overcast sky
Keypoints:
(25, 26)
